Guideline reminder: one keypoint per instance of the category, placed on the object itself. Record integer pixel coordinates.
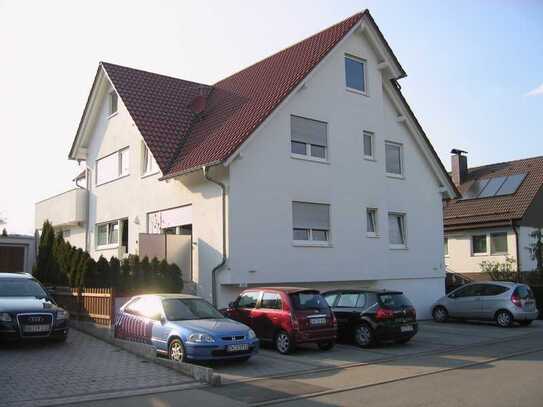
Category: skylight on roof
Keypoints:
(497, 186)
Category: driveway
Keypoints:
(36, 374)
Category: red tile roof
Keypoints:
(498, 210)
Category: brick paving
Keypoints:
(31, 373)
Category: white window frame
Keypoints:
(147, 156)
(485, 253)
(403, 216)
(119, 166)
(310, 242)
(112, 112)
(402, 168)
(489, 247)
(375, 232)
(364, 69)
(371, 135)
(446, 245)
(109, 225)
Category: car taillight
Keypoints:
(384, 313)
(515, 299)
(414, 312)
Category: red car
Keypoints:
(286, 316)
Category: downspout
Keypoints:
(223, 261)
(517, 251)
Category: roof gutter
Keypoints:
(205, 170)
(188, 171)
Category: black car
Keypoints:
(369, 316)
(27, 311)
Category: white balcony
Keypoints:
(68, 208)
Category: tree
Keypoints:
(114, 272)
(536, 249)
(45, 262)
(102, 273)
(4, 232)
(145, 273)
(500, 271)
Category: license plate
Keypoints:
(237, 348)
(36, 328)
(317, 321)
(406, 328)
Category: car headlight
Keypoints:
(62, 315)
(5, 317)
(201, 338)
(252, 334)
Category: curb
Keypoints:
(200, 373)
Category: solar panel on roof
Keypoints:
(497, 186)
(492, 187)
(511, 185)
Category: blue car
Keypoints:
(184, 327)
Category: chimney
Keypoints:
(459, 165)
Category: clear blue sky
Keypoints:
(470, 65)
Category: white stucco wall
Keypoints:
(266, 179)
(527, 263)
(134, 196)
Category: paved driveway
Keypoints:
(44, 373)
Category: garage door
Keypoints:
(12, 259)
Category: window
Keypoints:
(396, 230)
(66, 233)
(271, 301)
(393, 156)
(478, 244)
(371, 222)
(311, 222)
(248, 300)
(368, 145)
(107, 234)
(348, 300)
(331, 299)
(113, 103)
(113, 166)
(355, 73)
(446, 246)
(149, 164)
(498, 243)
(491, 289)
(308, 137)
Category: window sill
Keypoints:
(372, 235)
(480, 254)
(149, 174)
(309, 158)
(113, 115)
(358, 92)
(107, 247)
(396, 176)
(113, 180)
(369, 158)
(397, 247)
(304, 243)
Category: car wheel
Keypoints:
(364, 336)
(284, 343)
(504, 319)
(326, 345)
(440, 314)
(176, 350)
(525, 322)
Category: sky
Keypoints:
(475, 70)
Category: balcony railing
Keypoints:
(68, 208)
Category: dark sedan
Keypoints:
(27, 311)
(370, 317)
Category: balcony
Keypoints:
(68, 208)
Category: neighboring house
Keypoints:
(17, 253)
(310, 159)
(501, 206)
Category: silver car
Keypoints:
(503, 302)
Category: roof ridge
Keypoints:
(538, 157)
(103, 63)
(360, 14)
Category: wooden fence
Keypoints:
(87, 304)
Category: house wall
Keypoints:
(266, 179)
(527, 263)
(462, 260)
(134, 196)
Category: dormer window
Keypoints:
(113, 103)
(355, 74)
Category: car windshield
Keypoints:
(308, 300)
(183, 309)
(394, 301)
(21, 287)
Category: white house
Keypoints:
(306, 168)
(500, 207)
